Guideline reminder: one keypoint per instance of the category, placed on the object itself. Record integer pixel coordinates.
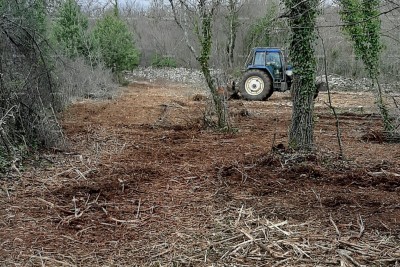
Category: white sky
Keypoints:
(143, 3)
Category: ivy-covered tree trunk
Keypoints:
(203, 59)
(363, 25)
(302, 22)
(202, 27)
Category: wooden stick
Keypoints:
(50, 259)
(239, 216)
(138, 209)
(361, 224)
(334, 225)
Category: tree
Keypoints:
(116, 43)
(233, 25)
(201, 13)
(362, 24)
(70, 29)
(260, 30)
(302, 20)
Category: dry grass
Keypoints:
(77, 80)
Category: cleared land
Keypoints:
(143, 184)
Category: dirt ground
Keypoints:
(142, 183)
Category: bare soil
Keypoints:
(143, 183)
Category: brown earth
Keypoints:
(144, 184)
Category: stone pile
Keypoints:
(179, 75)
(195, 77)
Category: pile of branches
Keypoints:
(254, 240)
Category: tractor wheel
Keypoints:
(255, 85)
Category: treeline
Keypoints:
(259, 23)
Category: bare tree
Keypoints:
(233, 25)
(197, 16)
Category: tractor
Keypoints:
(266, 72)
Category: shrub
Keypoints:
(76, 79)
(160, 61)
(116, 44)
(28, 98)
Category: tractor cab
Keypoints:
(266, 72)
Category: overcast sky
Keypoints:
(143, 2)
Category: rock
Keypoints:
(195, 77)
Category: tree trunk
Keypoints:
(233, 19)
(206, 41)
(301, 135)
(387, 123)
(302, 20)
(203, 29)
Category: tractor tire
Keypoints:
(256, 85)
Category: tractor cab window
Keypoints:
(274, 59)
(259, 58)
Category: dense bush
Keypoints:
(35, 81)
(28, 96)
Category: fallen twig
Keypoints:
(334, 225)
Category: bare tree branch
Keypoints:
(183, 27)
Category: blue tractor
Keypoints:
(266, 72)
